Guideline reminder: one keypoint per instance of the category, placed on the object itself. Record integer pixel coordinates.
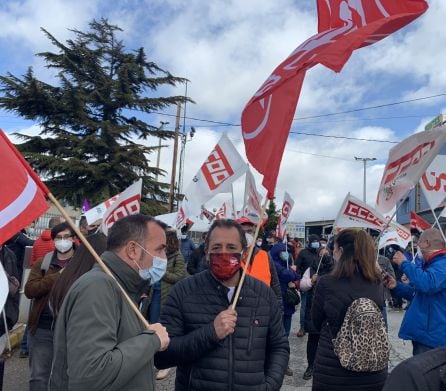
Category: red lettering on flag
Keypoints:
(216, 169)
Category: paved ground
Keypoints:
(16, 370)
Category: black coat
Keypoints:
(305, 259)
(332, 297)
(423, 372)
(254, 358)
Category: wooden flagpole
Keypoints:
(250, 251)
(97, 258)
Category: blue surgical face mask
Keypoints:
(156, 271)
(283, 256)
(315, 245)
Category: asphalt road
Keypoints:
(17, 372)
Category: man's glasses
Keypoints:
(63, 237)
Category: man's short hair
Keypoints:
(227, 224)
(59, 228)
(54, 221)
(133, 227)
(435, 237)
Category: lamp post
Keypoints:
(365, 160)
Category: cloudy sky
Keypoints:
(227, 48)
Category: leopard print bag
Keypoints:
(362, 344)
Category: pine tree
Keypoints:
(273, 217)
(89, 118)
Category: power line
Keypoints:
(319, 155)
(346, 138)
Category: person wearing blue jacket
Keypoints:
(287, 275)
(425, 320)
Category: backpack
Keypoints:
(362, 344)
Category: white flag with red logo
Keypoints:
(356, 214)
(287, 206)
(391, 237)
(222, 167)
(252, 200)
(22, 193)
(344, 26)
(128, 203)
(97, 212)
(433, 182)
(406, 164)
(226, 211)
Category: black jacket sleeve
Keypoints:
(317, 309)
(278, 350)
(183, 348)
(275, 283)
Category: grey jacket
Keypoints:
(99, 343)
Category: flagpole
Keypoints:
(250, 251)
(233, 202)
(97, 258)
(438, 223)
(413, 251)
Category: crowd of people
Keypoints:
(220, 329)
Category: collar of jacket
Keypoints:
(435, 254)
(214, 281)
(126, 276)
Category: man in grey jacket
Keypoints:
(99, 342)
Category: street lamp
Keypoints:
(365, 160)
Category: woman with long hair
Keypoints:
(81, 263)
(355, 275)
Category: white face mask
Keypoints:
(249, 238)
(259, 243)
(183, 237)
(63, 245)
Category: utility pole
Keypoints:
(365, 160)
(158, 156)
(174, 162)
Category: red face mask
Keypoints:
(224, 265)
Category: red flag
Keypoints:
(22, 193)
(416, 222)
(344, 26)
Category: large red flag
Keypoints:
(22, 193)
(344, 26)
(416, 222)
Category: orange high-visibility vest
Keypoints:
(259, 267)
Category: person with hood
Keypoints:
(323, 266)
(214, 346)
(424, 322)
(43, 275)
(305, 259)
(187, 245)
(99, 341)
(288, 277)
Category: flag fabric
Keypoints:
(226, 211)
(252, 199)
(85, 205)
(416, 222)
(433, 182)
(22, 194)
(223, 166)
(287, 206)
(97, 212)
(357, 214)
(391, 237)
(128, 203)
(183, 214)
(407, 162)
(344, 26)
(207, 213)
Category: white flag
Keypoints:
(184, 214)
(226, 211)
(222, 167)
(391, 237)
(97, 212)
(407, 162)
(252, 207)
(356, 214)
(128, 203)
(287, 206)
(433, 182)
